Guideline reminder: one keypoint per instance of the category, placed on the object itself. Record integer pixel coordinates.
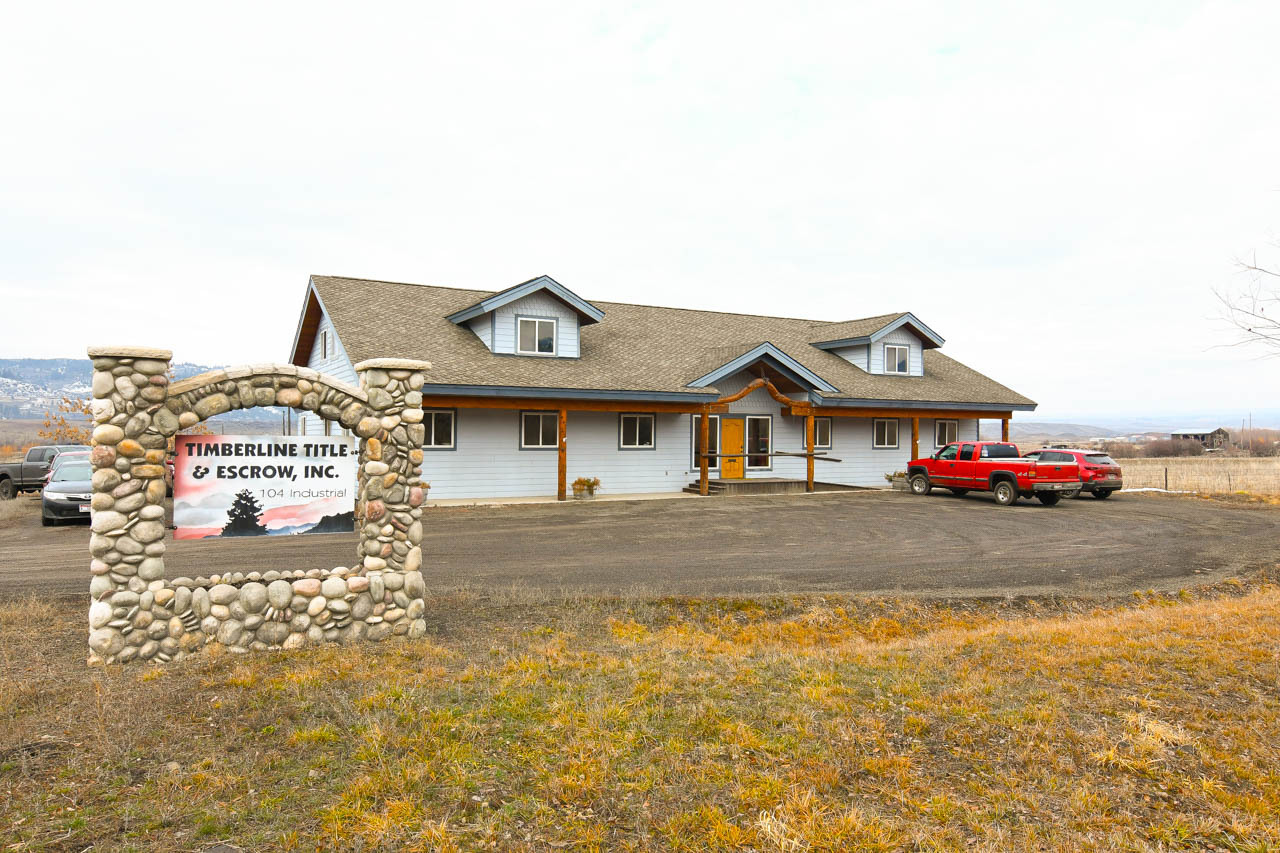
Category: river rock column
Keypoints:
(130, 386)
(389, 506)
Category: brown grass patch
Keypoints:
(1212, 474)
(783, 724)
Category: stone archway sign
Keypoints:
(138, 614)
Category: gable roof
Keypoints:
(635, 351)
(869, 330)
(587, 313)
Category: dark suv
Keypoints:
(1099, 473)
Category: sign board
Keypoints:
(263, 485)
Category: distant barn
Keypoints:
(1209, 438)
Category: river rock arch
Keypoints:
(136, 614)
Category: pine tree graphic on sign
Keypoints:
(244, 517)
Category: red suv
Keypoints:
(1099, 473)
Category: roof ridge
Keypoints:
(813, 323)
(411, 283)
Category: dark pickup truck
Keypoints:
(28, 475)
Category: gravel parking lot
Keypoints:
(849, 542)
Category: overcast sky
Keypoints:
(1056, 189)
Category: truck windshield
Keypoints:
(999, 451)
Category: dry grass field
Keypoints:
(1212, 474)
(787, 724)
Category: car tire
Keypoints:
(920, 485)
(959, 492)
(1103, 494)
(7, 490)
(1049, 498)
(46, 521)
(1005, 492)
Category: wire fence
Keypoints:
(1204, 474)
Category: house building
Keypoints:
(1210, 438)
(533, 386)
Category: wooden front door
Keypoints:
(731, 467)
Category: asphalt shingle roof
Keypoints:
(635, 347)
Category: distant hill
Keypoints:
(1046, 429)
(29, 387)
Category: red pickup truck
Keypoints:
(996, 467)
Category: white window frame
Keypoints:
(324, 344)
(817, 444)
(713, 464)
(428, 419)
(653, 431)
(555, 336)
(875, 438)
(955, 431)
(556, 432)
(746, 443)
(895, 369)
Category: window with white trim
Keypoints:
(713, 441)
(759, 441)
(635, 432)
(438, 431)
(885, 433)
(324, 344)
(897, 359)
(539, 430)
(822, 433)
(945, 432)
(535, 336)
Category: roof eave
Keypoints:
(571, 393)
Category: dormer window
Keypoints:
(535, 336)
(897, 359)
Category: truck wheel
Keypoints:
(1006, 493)
(1103, 494)
(920, 485)
(1049, 498)
(7, 491)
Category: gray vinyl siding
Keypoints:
(490, 464)
(483, 327)
(536, 305)
(915, 360)
(337, 365)
(857, 356)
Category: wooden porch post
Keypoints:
(704, 438)
(915, 438)
(562, 462)
(1004, 429)
(808, 448)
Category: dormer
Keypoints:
(892, 345)
(539, 318)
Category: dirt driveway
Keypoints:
(873, 542)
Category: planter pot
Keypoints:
(900, 484)
(584, 496)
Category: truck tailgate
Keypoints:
(1056, 471)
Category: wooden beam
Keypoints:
(808, 446)
(461, 401)
(839, 412)
(1004, 429)
(704, 437)
(915, 438)
(756, 384)
(561, 462)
